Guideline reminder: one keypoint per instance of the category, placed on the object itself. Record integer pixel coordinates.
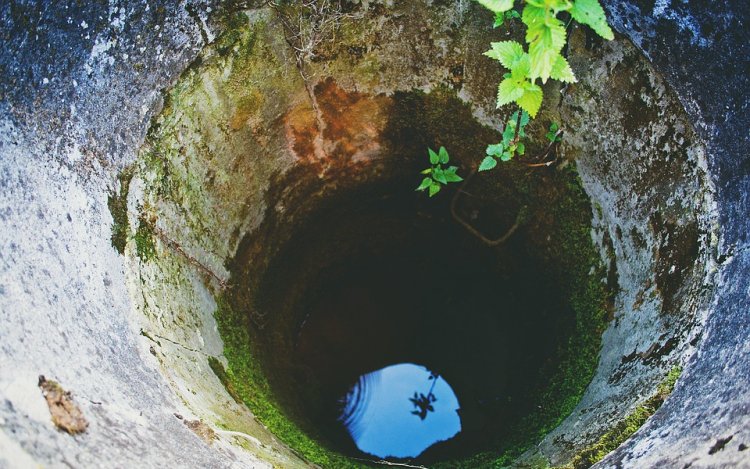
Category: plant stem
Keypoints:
(177, 248)
(518, 125)
(544, 153)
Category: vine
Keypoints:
(546, 38)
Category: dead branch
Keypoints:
(543, 154)
(306, 26)
(474, 231)
(177, 248)
(389, 463)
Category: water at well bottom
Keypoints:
(400, 411)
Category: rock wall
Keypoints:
(80, 86)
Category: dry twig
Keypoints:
(474, 231)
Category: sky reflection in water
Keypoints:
(386, 418)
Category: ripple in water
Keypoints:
(400, 411)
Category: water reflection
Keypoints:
(380, 415)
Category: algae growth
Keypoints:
(625, 428)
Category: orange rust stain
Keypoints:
(301, 132)
(352, 128)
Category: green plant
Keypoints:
(510, 144)
(500, 18)
(626, 427)
(546, 37)
(437, 175)
(118, 207)
(554, 133)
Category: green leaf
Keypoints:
(512, 14)
(434, 188)
(521, 148)
(508, 91)
(545, 48)
(552, 134)
(508, 53)
(560, 5)
(533, 14)
(496, 149)
(509, 133)
(522, 68)
(524, 118)
(434, 158)
(426, 182)
(498, 6)
(531, 100)
(487, 163)
(590, 12)
(561, 71)
(427, 171)
(444, 155)
(452, 176)
(499, 19)
(439, 175)
(506, 156)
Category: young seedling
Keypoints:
(502, 17)
(554, 135)
(437, 175)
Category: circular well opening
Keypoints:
(339, 269)
(373, 275)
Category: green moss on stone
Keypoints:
(245, 374)
(556, 233)
(144, 240)
(629, 425)
(221, 373)
(118, 207)
(559, 231)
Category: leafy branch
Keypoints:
(510, 145)
(546, 37)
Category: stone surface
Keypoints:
(702, 51)
(79, 85)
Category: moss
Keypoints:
(556, 209)
(221, 373)
(245, 374)
(559, 233)
(629, 425)
(144, 240)
(556, 232)
(118, 207)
